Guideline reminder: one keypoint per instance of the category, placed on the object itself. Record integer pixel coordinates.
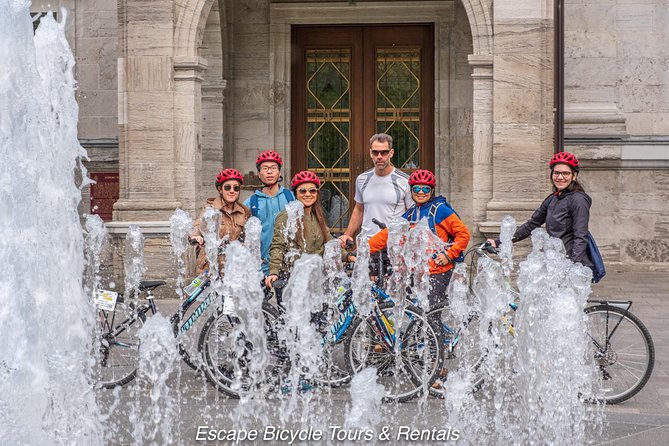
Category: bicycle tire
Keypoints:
(116, 350)
(453, 350)
(409, 378)
(333, 369)
(625, 353)
(216, 346)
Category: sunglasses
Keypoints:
(423, 189)
(227, 188)
(304, 191)
(380, 152)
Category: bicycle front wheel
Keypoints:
(462, 355)
(116, 346)
(406, 367)
(219, 350)
(623, 350)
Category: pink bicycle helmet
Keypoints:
(421, 176)
(304, 177)
(564, 158)
(269, 155)
(229, 174)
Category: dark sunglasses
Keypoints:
(380, 152)
(424, 189)
(304, 191)
(227, 187)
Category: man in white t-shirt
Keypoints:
(382, 192)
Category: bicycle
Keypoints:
(117, 347)
(621, 344)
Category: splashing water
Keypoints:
(507, 229)
(252, 232)
(366, 400)
(46, 317)
(95, 240)
(181, 226)
(133, 260)
(209, 226)
(154, 420)
(360, 281)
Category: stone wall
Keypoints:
(617, 122)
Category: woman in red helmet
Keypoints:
(233, 215)
(566, 211)
(312, 233)
(442, 221)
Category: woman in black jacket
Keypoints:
(565, 212)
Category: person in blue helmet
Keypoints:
(268, 201)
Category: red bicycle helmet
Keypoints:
(564, 158)
(304, 177)
(229, 174)
(422, 177)
(269, 155)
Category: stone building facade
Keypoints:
(172, 90)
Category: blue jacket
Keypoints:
(266, 208)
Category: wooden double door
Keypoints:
(350, 82)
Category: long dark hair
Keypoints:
(317, 210)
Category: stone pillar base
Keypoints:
(521, 210)
(158, 257)
(148, 210)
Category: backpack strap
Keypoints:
(430, 221)
(288, 195)
(253, 204)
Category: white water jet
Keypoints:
(95, 240)
(133, 260)
(181, 226)
(46, 318)
(155, 420)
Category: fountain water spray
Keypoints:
(46, 317)
(133, 260)
(155, 423)
(181, 226)
(95, 240)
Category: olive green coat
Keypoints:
(312, 242)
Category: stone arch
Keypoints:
(479, 13)
(191, 19)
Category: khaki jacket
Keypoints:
(232, 221)
(312, 242)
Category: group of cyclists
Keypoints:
(382, 193)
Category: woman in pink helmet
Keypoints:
(233, 215)
(566, 211)
(312, 233)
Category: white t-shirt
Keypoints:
(384, 198)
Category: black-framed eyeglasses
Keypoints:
(423, 189)
(565, 174)
(303, 191)
(272, 168)
(227, 188)
(380, 152)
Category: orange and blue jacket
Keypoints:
(443, 221)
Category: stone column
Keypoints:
(482, 133)
(187, 128)
(146, 111)
(523, 109)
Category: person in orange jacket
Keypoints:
(443, 221)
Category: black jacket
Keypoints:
(566, 217)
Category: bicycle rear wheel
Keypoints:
(460, 352)
(623, 350)
(406, 368)
(116, 349)
(219, 352)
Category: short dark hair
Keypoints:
(381, 137)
